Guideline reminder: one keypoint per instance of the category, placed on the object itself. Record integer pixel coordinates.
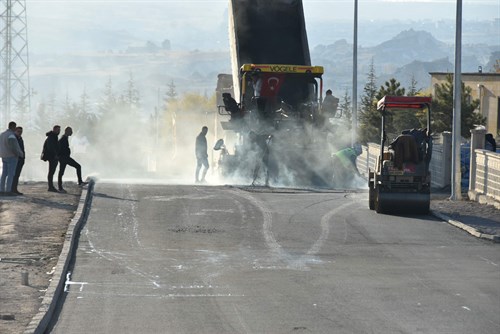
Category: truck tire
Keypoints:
(378, 206)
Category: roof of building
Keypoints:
(486, 74)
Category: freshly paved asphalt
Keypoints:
(186, 259)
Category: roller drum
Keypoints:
(397, 202)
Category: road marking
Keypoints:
(275, 247)
(69, 282)
(240, 319)
(114, 257)
(173, 198)
(170, 295)
(325, 228)
(489, 261)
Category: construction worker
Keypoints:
(201, 155)
(259, 100)
(344, 166)
(260, 146)
(330, 104)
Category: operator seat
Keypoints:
(405, 150)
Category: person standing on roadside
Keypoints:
(20, 161)
(50, 154)
(10, 153)
(201, 154)
(65, 159)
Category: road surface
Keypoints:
(200, 259)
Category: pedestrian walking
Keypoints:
(10, 153)
(50, 154)
(20, 160)
(65, 159)
(201, 155)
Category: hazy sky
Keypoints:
(54, 24)
(315, 9)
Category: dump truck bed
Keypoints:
(267, 32)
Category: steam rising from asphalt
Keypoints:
(137, 145)
(299, 157)
(162, 149)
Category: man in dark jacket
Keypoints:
(51, 154)
(201, 155)
(260, 146)
(65, 159)
(20, 160)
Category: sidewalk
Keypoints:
(480, 220)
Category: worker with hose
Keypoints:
(344, 166)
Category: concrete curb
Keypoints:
(41, 320)
(471, 230)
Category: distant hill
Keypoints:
(409, 45)
(409, 53)
(419, 70)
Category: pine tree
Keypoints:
(399, 120)
(46, 115)
(22, 109)
(169, 117)
(69, 112)
(171, 94)
(369, 118)
(85, 116)
(107, 102)
(345, 106)
(413, 90)
(442, 108)
(131, 96)
(392, 87)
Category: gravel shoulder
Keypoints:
(32, 231)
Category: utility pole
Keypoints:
(456, 180)
(14, 62)
(354, 131)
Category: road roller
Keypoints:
(401, 180)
